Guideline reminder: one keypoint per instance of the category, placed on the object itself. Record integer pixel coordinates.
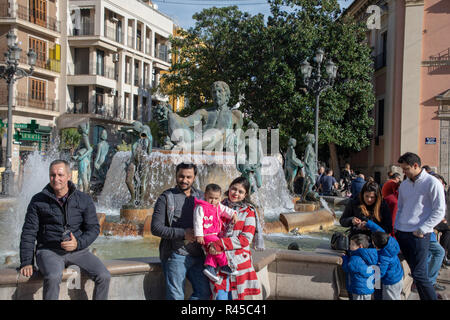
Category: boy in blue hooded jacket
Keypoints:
(359, 267)
(391, 270)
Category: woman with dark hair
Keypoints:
(236, 244)
(368, 206)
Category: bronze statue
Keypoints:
(292, 164)
(137, 168)
(310, 169)
(249, 156)
(83, 156)
(100, 158)
(216, 124)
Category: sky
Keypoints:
(181, 11)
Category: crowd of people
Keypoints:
(407, 214)
(206, 237)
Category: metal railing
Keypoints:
(30, 15)
(104, 110)
(442, 58)
(84, 29)
(26, 100)
(42, 62)
(79, 69)
(78, 107)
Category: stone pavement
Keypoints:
(443, 279)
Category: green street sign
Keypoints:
(25, 136)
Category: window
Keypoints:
(37, 89)
(38, 12)
(100, 63)
(40, 47)
(138, 40)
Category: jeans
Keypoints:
(415, 250)
(225, 294)
(435, 258)
(177, 268)
(51, 264)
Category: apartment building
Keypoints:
(115, 52)
(411, 82)
(36, 25)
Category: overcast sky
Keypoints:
(181, 11)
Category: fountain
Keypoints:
(136, 178)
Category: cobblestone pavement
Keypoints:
(443, 279)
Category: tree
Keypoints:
(70, 139)
(215, 49)
(261, 60)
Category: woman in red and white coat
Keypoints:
(236, 244)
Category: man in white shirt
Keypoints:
(421, 206)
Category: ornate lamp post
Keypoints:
(312, 77)
(11, 72)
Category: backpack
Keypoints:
(340, 241)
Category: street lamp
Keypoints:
(11, 72)
(312, 77)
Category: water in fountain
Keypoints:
(35, 178)
(273, 196)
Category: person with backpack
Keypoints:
(173, 220)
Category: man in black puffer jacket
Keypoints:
(63, 222)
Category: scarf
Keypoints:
(258, 240)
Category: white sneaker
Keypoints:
(210, 272)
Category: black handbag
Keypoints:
(340, 241)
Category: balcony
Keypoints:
(84, 29)
(100, 110)
(26, 100)
(43, 63)
(78, 107)
(442, 59)
(80, 69)
(29, 15)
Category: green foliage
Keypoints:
(123, 146)
(261, 60)
(70, 139)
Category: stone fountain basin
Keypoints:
(283, 274)
(304, 222)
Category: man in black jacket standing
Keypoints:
(63, 222)
(173, 220)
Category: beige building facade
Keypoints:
(98, 61)
(115, 52)
(36, 25)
